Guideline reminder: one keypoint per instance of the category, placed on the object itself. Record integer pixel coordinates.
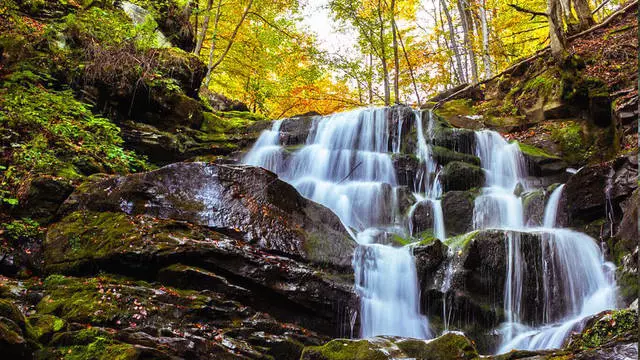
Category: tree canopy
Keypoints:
(263, 53)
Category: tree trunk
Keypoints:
(556, 32)
(585, 19)
(452, 41)
(396, 61)
(383, 57)
(467, 28)
(370, 78)
(406, 57)
(569, 18)
(230, 44)
(213, 42)
(486, 55)
(205, 27)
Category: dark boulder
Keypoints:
(406, 167)
(295, 130)
(248, 201)
(461, 176)
(188, 256)
(533, 203)
(459, 140)
(595, 188)
(443, 156)
(422, 217)
(457, 208)
(42, 198)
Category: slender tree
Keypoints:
(205, 27)
(556, 31)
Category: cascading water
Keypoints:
(346, 166)
(572, 264)
(551, 210)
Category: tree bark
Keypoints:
(486, 55)
(205, 27)
(406, 57)
(396, 61)
(569, 18)
(383, 57)
(556, 32)
(585, 19)
(213, 42)
(467, 33)
(452, 41)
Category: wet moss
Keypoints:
(444, 156)
(612, 325)
(340, 349)
(456, 107)
(44, 326)
(461, 241)
(535, 151)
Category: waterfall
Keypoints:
(346, 165)
(575, 281)
(423, 183)
(551, 210)
(498, 206)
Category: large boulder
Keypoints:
(461, 176)
(248, 201)
(188, 256)
(42, 198)
(457, 208)
(596, 188)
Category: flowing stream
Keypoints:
(573, 268)
(346, 164)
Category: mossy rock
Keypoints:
(605, 328)
(90, 343)
(341, 349)
(12, 341)
(446, 347)
(444, 156)
(44, 326)
(461, 176)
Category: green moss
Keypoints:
(572, 140)
(340, 349)
(44, 326)
(541, 85)
(88, 235)
(456, 107)
(606, 329)
(461, 241)
(535, 151)
(444, 156)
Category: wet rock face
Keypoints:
(187, 256)
(586, 191)
(422, 217)
(533, 203)
(248, 201)
(457, 207)
(475, 265)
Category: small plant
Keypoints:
(22, 230)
